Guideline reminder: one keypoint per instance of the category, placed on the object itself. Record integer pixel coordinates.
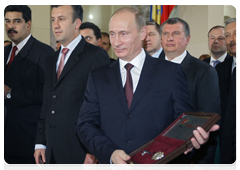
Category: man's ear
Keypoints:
(29, 25)
(143, 32)
(78, 23)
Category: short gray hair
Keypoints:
(229, 21)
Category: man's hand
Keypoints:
(39, 156)
(6, 90)
(90, 159)
(201, 137)
(119, 157)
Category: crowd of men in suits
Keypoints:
(75, 106)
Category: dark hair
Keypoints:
(95, 28)
(5, 41)
(107, 35)
(173, 21)
(157, 26)
(24, 9)
(215, 27)
(77, 11)
(139, 18)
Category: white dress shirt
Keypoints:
(221, 59)
(71, 47)
(156, 55)
(19, 46)
(233, 63)
(135, 71)
(178, 59)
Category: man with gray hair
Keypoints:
(124, 107)
(201, 77)
(227, 82)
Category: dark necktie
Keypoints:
(129, 86)
(215, 62)
(60, 67)
(12, 56)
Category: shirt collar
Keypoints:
(22, 43)
(137, 61)
(156, 55)
(178, 59)
(221, 59)
(71, 46)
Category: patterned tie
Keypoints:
(215, 62)
(12, 56)
(129, 86)
(60, 67)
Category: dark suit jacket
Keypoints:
(207, 60)
(62, 102)
(204, 92)
(26, 78)
(105, 123)
(227, 83)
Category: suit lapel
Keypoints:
(115, 81)
(22, 54)
(73, 60)
(7, 50)
(148, 74)
(186, 63)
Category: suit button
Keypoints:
(129, 116)
(52, 111)
(128, 140)
(54, 96)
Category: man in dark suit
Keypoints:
(217, 46)
(227, 82)
(24, 68)
(202, 78)
(152, 43)
(63, 91)
(112, 123)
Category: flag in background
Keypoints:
(160, 13)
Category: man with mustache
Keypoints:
(217, 46)
(201, 77)
(227, 82)
(24, 68)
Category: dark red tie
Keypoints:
(12, 56)
(129, 86)
(61, 64)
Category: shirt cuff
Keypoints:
(40, 146)
(112, 166)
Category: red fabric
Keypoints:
(12, 56)
(166, 10)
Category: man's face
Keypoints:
(217, 42)
(230, 35)
(64, 29)
(174, 40)
(125, 37)
(105, 43)
(16, 27)
(152, 42)
(89, 36)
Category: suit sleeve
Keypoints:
(208, 101)
(88, 126)
(31, 90)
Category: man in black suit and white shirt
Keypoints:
(217, 46)
(202, 78)
(57, 141)
(24, 68)
(227, 82)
